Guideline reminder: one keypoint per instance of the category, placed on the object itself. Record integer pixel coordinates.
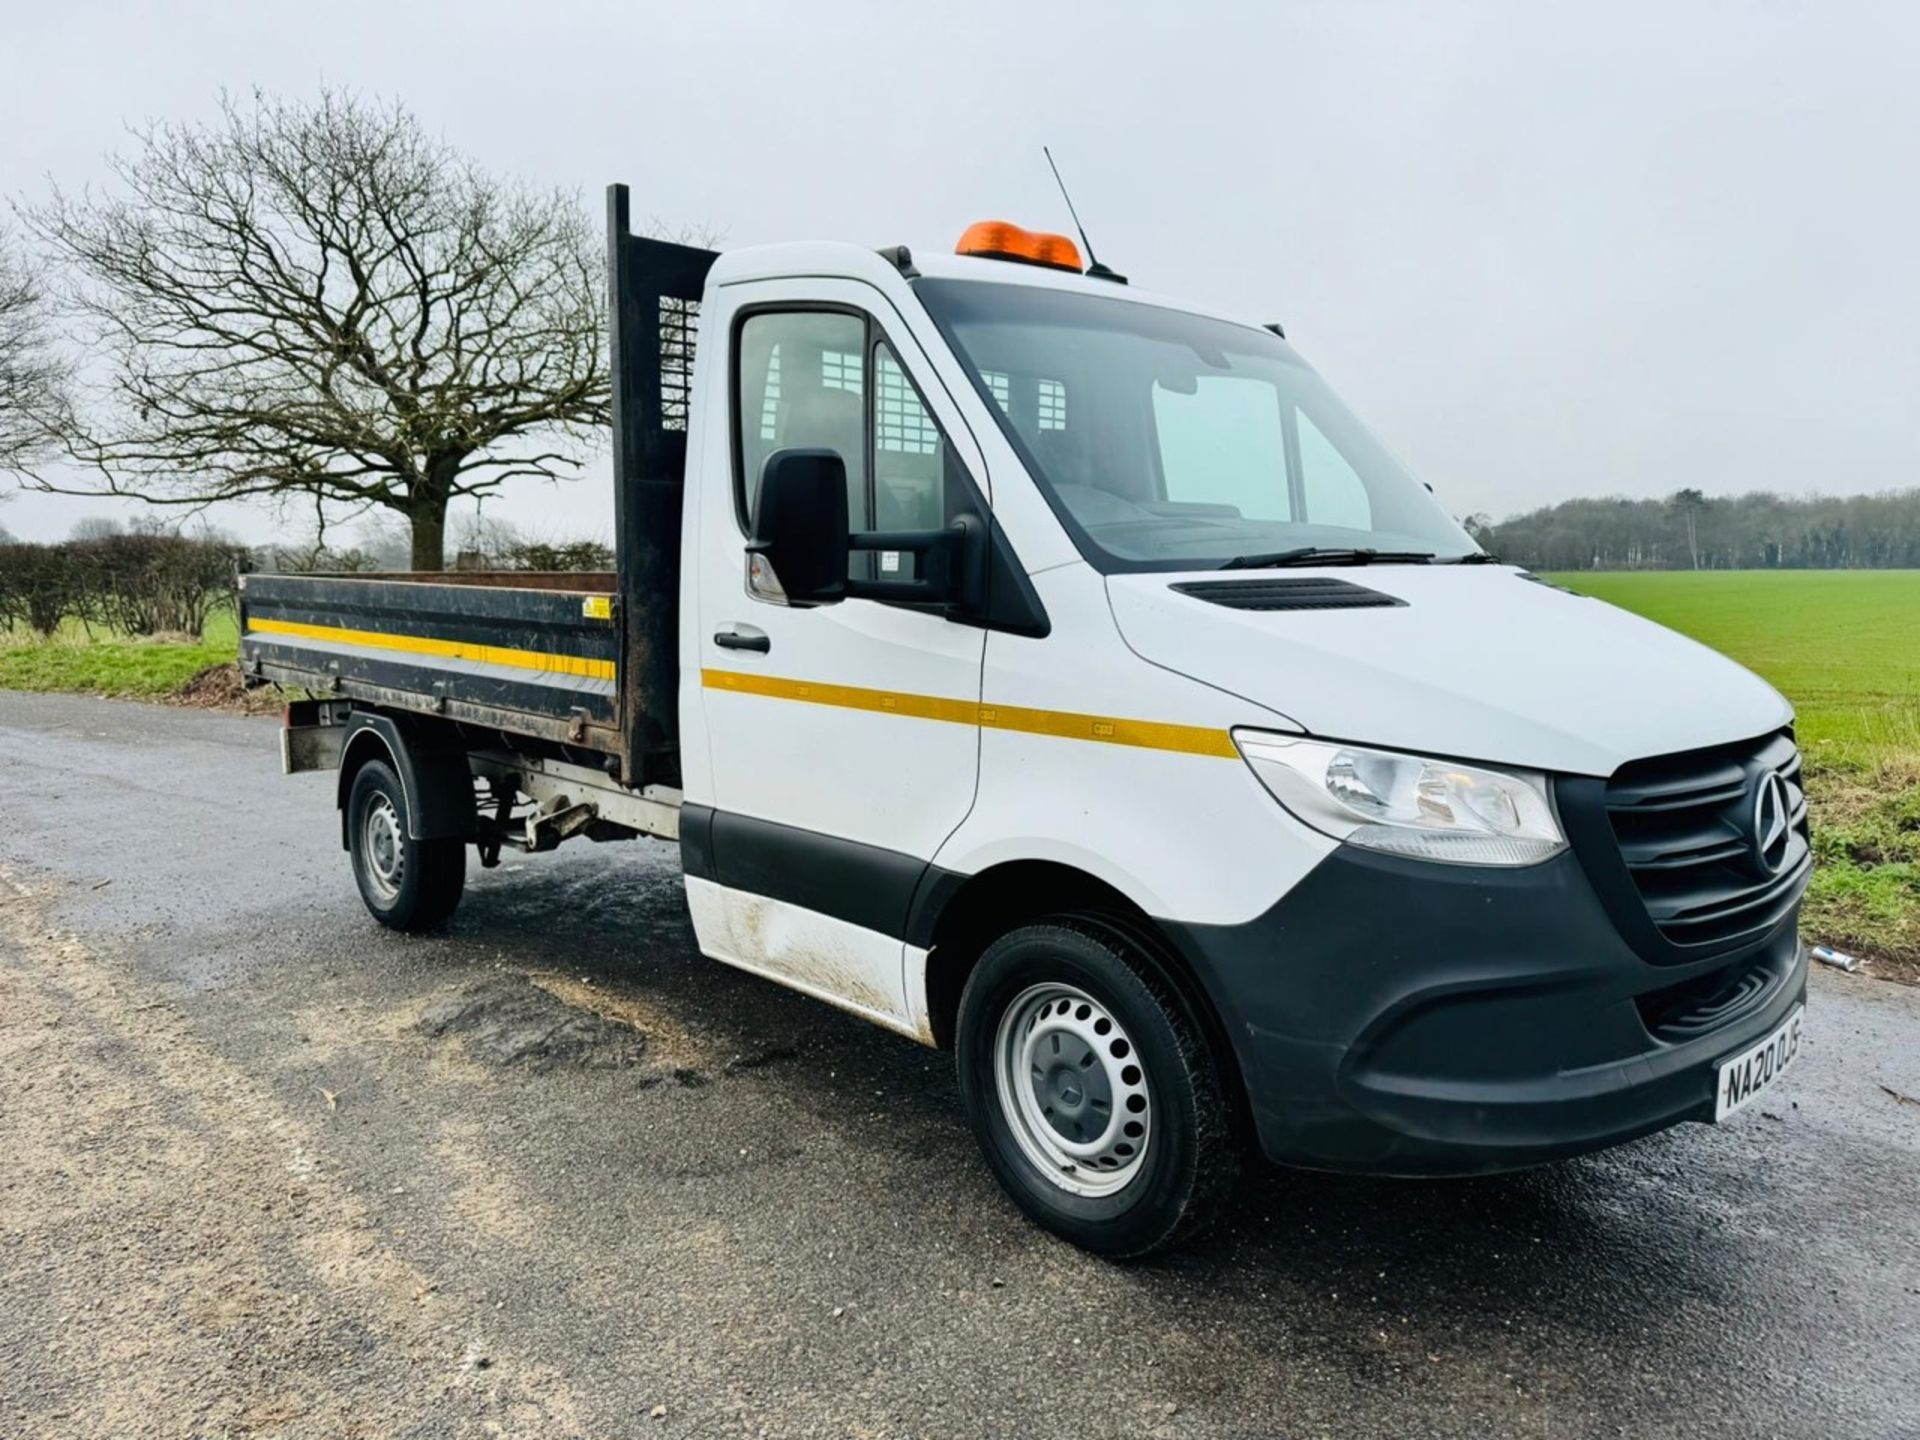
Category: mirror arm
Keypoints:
(913, 592)
(945, 563)
(920, 542)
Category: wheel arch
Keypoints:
(436, 781)
(964, 918)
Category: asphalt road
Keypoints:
(267, 1169)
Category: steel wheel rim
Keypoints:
(1073, 1089)
(384, 848)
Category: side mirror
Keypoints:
(799, 551)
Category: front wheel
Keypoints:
(407, 884)
(1096, 1100)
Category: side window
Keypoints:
(802, 386)
(1335, 494)
(804, 382)
(910, 459)
(1222, 446)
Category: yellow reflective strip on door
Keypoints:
(1063, 724)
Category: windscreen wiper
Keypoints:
(1478, 557)
(1326, 555)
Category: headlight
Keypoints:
(1407, 804)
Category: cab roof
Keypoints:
(826, 259)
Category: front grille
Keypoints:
(1685, 825)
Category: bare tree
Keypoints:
(322, 303)
(1689, 504)
(33, 375)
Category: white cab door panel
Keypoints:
(819, 722)
(825, 762)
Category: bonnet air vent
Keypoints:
(1550, 584)
(1295, 592)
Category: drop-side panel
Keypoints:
(524, 659)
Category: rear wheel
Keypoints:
(1094, 1096)
(406, 884)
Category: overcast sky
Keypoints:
(1545, 250)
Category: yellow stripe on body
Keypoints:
(447, 649)
(1064, 724)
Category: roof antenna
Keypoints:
(1094, 268)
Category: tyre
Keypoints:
(1093, 1093)
(407, 884)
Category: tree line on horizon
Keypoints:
(1690, 530)
(148, 578)
(143, 580)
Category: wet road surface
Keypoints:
(266, 1169)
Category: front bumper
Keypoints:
(1399, 1017)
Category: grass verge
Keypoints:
(130, 667)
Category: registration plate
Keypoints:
(1747, 1075)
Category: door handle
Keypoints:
(743, 637)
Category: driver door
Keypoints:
(844, 737)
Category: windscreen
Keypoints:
(1167, 441)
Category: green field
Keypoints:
(134, 668)
(1844, 647)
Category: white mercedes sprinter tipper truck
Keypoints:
(1060, 674)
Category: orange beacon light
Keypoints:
(998, 240)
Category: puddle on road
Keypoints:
(543, 1021)
(508, 1021)
(668, 1041)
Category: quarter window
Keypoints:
(911, 464)
(902, 425)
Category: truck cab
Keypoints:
(1060, 674)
